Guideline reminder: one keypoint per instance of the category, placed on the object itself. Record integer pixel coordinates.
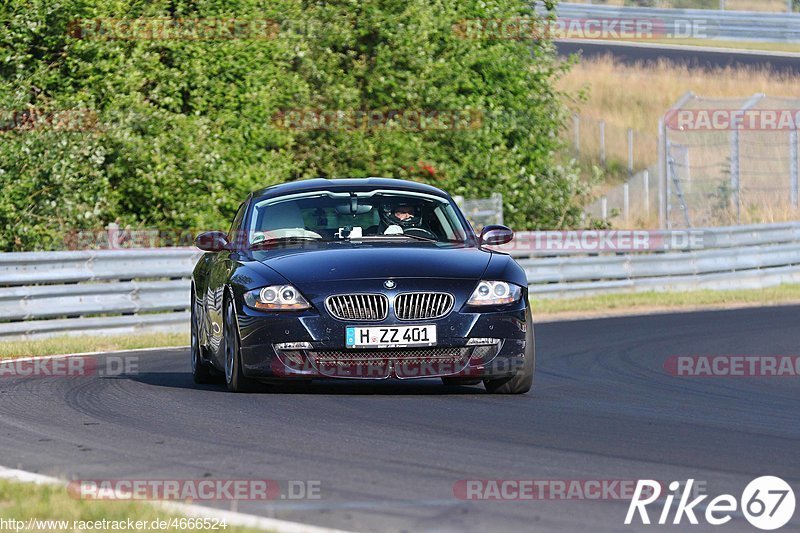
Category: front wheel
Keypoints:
(234, 378)
(201, 371)
(522, 381)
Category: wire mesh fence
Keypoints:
(730, 161)
(482, 212)
(634, 203)
(628, 193)
(609, 145)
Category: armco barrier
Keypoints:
(126, 291)
(108, 291)
(715, 24)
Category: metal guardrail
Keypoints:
(126, 291)
(109, 291)
(716, 24)
(528, 244)
(732, 257)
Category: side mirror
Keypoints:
(212, 241)
(495, 235)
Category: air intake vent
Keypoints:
(371, 307)
(422, 305)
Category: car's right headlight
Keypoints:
(276, 298)
(495, 293)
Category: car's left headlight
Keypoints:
(276, 298)
(495, 293)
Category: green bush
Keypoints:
(185, 128)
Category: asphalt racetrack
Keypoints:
(388, 455)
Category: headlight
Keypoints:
(276, 298)
(495, 293)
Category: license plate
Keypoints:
(390, 336)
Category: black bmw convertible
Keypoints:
(359, 279)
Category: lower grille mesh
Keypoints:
(406, 355)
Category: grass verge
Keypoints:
(89, 343)
(739, 45)
(637, 96)
(645, 302)
(26, 502)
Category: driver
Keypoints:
(402, 213)
(406, 213)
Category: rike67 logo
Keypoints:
(767, 502)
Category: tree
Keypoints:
(186, 126)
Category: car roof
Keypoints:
(351, 184)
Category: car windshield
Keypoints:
(374, 215)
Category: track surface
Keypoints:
(387, 455)
(694, 57)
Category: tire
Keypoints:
(522, 381)
(234, 379)
(201, 371)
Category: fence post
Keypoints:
(734, 157)
(630, 151)
(576, 122)
(663, 155)
(736, 185)
(646, 192)
(498, 206)
(604, 208)
(603, 142)
(626, 201)
(667, 184)
(112, 232)
(793, 163)
(662, 174)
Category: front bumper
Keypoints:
(326, 356)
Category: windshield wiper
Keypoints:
(419, 237)
(283, 240)
(395, 237)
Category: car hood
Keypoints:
(351, 261)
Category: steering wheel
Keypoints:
(421, 232)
